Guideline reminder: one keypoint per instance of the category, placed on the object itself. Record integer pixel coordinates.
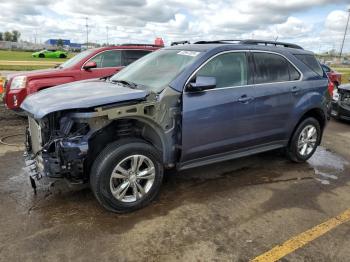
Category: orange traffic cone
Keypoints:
(1, 85)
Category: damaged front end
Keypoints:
(56, 149)
(64, 144)
(341, 102)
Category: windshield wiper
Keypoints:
(127, 83)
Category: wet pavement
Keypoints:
(232, 211)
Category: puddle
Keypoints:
(328, 166)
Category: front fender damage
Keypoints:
(69, 153)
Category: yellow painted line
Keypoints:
(302, 239)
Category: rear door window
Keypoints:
(229, 69)
(130, 56)
(272, 68)
(311, 62)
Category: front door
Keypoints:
(221, 119)
(108, 63)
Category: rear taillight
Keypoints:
(330, 88)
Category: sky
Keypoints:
(317, 25)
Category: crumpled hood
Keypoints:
(82, 94)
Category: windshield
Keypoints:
(75, 59)
(156, 70)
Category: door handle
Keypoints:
(245, 99)
(295, 89)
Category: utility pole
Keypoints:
(346, 29)
(87, 33)
(107, 34)
(35, 36)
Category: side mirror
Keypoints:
(202, 83)
(89, 65)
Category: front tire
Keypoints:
(41, 56)
(126, 175)
(62, 56)
(304, 141)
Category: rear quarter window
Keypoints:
(311, 62)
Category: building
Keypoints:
(66, 43)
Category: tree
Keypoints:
(60, 42)
(15, 35)
(1, 36)
(7, 36)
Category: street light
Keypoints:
(346, 29)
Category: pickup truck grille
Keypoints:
(35, 135)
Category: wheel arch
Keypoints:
(137, 127)
(316, 113)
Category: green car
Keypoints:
(50, 54)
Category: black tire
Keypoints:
(108, 159)
(292, 150)
(63, 56)
(41, 55)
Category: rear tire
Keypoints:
(304, 140)
(63, 56)
(126, 175)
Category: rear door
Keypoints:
(108, 63)
(219, 120)
(277, 87)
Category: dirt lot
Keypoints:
(233, 211)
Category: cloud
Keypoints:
(143, 20)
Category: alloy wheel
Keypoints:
(307, 140)
(132, 178)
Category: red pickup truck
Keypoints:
(92, 63)
(334, 76)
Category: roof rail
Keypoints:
(149, 45)
(180, 43)
(251, 42)
(267, 43)
(218, 42)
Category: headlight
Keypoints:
(18, 82)
(335, 95)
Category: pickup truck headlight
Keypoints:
(18, 82)
(335, 96)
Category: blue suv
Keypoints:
(183, 106)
